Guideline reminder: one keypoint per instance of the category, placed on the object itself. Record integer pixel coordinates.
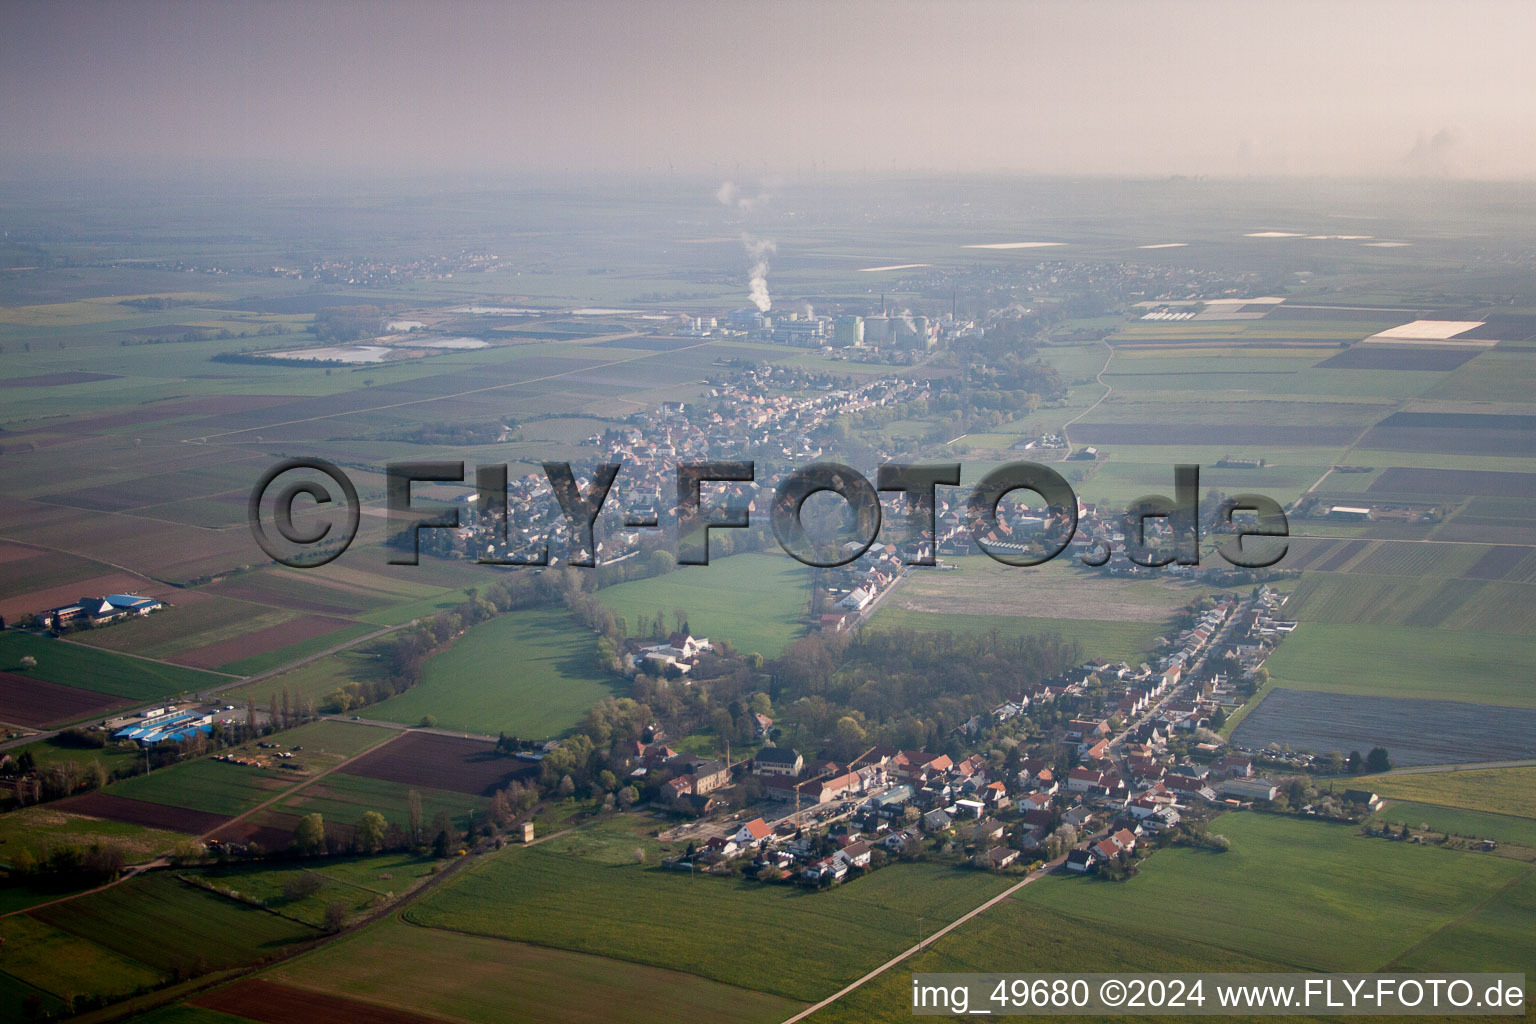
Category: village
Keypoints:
(1136, 766)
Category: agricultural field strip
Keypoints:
(440, 398)
(138, 869)
(145, 657)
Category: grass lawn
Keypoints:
(584, 892)
(756, 602)
(1510, 791)
(530, 673)
(1303, 894)
(469, 977)
(1404, 661)
(102, 671)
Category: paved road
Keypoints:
(1033, 876)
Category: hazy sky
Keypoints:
(741, 89)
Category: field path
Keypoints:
(1033, 876)
(1108, 390)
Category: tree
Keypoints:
(309, 836)
(413, 811)
(1355, 762)
(1378, 761)
(370, 832)
(662, 562)
(627, 796)
(440, 844)
(335, 916)
(28, 662)
(429, 721)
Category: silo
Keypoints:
(877, 329)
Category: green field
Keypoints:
(38, 827)
(344, 798)
(217, 787)
(102, 671)
(531, 674)
(1477, 824)
(1403, 661)
(64, 965)
(589, 896)
(266, 883)
(190, 925)
(1095, 638)
(1411, 599)
(1303, 894)
(1495, 937)
(1494, 790)
(756, 602)
(313, 680)
(469, 977)
(1296, 895)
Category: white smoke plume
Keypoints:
(759, 249)
(729, 195)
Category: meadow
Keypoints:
(756, 602)
(593, 898)
(529, 673)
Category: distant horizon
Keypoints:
(735, 91)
